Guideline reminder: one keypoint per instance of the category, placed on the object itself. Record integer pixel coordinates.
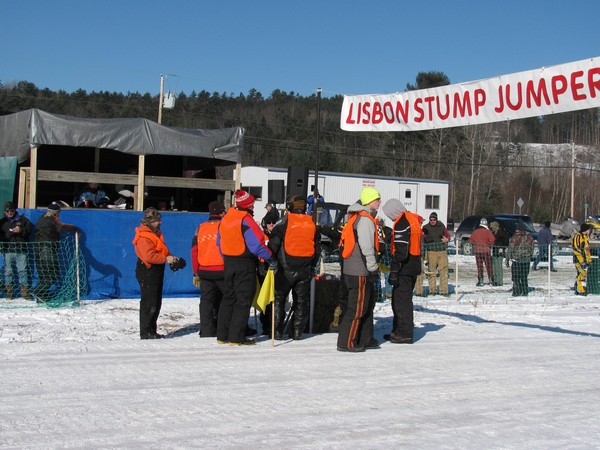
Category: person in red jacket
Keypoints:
(208, 267)
(152, 254)
(483, 240)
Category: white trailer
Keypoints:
(418, 195)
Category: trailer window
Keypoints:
(432, 202)
(256, 191)
(408, 193)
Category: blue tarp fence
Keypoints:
(109, 255)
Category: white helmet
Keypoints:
(483, 222)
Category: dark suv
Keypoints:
(507, 222)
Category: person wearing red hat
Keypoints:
(242, 243)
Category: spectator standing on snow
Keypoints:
(267, 223)
(544, 239)
(582, 257)
(436, 237)
(501, 240)
(208, 267)
(153, 254)
(360, 246)
(48, 229)
(16, 230)
(520, 251)
(294, 242)
(482, 240)
(242, 243)
(405, 267)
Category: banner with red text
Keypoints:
(549, 90)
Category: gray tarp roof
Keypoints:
(137, 136)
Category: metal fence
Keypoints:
(518, 278)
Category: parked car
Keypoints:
(508, 222)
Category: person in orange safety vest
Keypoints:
(242, 243)
(360, 248)
(295, 243)
(208, 267)
(153, 254)
(405, 267)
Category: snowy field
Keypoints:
(487, 370)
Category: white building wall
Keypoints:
(346, 188)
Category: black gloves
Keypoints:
(373, 276)
(178, 263)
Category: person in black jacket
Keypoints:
(267, 223)
(48, 229)
(405, 267)
(498, 253)
(294, 242)
(16, 230)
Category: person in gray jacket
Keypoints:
(360, 245)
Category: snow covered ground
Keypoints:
(487, 370)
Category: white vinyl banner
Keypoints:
(549, 90)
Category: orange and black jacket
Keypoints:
(149, 246)
(295, 242)
(406, 244)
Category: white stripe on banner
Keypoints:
(549, 90)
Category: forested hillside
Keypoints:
(488, 166)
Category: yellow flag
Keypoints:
(267, 292)
(383, 268)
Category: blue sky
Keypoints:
(232, 46)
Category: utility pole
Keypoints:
(316, 187)
(160, 97)
(572, 179)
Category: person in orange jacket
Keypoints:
(152, 254)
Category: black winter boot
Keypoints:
(279, 310)
(479, 281)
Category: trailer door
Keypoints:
(409, 194)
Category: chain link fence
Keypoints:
(42, 273)
(497, 272)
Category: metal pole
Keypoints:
(316, 187)
(160, 100)
(572, 179)
(77, 267)
(456, 244)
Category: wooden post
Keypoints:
(141, 185)
(33, 177)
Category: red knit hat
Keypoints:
(244, 199)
